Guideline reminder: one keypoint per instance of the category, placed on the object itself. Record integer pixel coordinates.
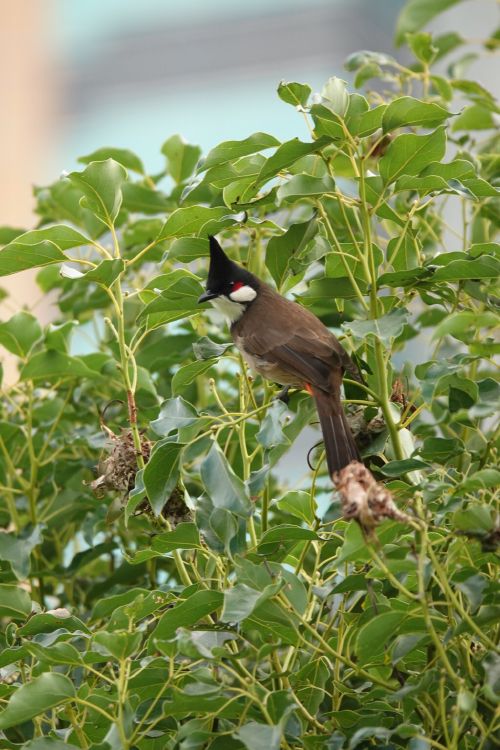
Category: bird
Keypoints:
(287, 344)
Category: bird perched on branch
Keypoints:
(287, 344)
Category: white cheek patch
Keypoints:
(243, 294)
(232, 311)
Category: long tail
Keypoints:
(339, 442)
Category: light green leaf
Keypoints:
(410, 154)
(406, 111)
(300, 504)
(257, 736)
(143, 199)
(41, 694)
(294, 93)
(19, 333)
(418, 13)
(484, 267)
(335, 96)
(283, 248)
(182, 157)
(124, 156)
(101, 184)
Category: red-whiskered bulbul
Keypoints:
(286, 343)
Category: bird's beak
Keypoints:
(206, 296)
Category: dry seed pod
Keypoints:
(365, 499)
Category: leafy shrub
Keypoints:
(182, 595)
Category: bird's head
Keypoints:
(230, 288)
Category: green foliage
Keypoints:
(185, 594)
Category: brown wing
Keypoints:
(275, 329)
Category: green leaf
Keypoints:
(282, 249)
(161, 473)
(14, 602)
(294, 93)
(459, 323)
(51, 364)
(300, 504)
(120, 644)
(386, 328)
(440, 449)
(40, 695)
(283, 537)
(484, 267)
(474, 117)
(257, 736)
(271, 429)
(199, 220)
(19, 257)
(106, 272)
(17, 551)
(241, 600)
(101, 184)
(418, 13)
(406, 111)
(143, 199)
(304, 186)
(187, 249)
(187, 374)
(477, 519)
(373, 636)
(175, 413)
(184, 536)
(422, 47)
(124, 156)
(230, 150)
(480, 480)
(225, 489)
(369, 122)
(334, 95)
(178, 300)
(182, 157)
(19, 333)
(410, 154)
(188, 612)
(286, 155)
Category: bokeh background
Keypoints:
(79, 74)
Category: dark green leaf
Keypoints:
(40, 695)
(162, 472)
(225, 489)
(174, 414)
(286, 155)
(188, 612)
(230, 150)
(51, 364)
